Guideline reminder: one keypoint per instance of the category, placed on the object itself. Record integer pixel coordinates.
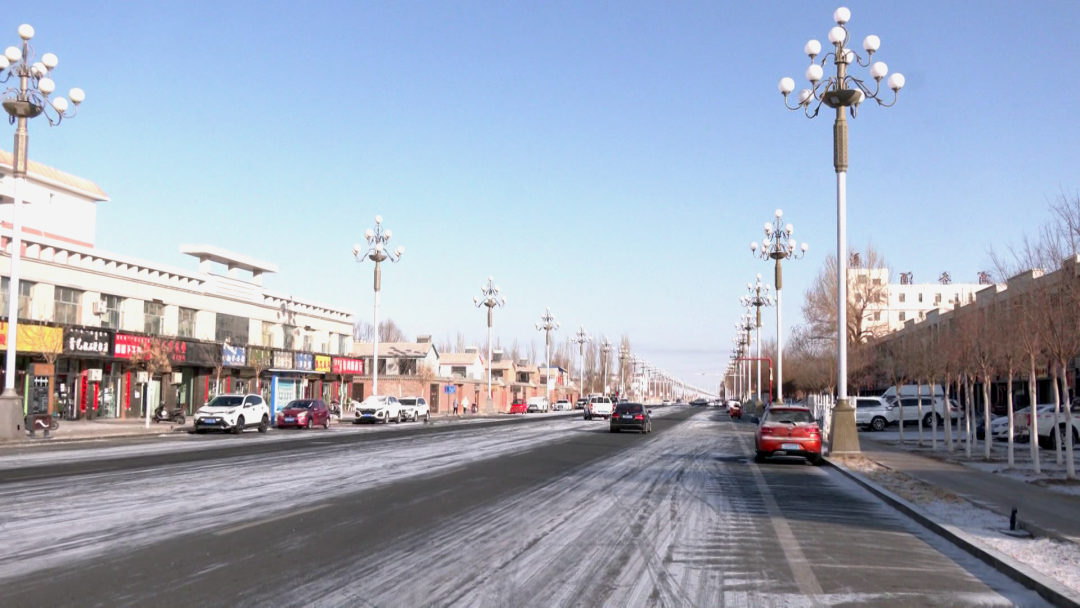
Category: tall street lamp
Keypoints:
(757, 297)
(624, 354)
(778, 245)
(841, 92)
(547, 324)
(605, 356)
(376, 252)
(581, 338)
(746, 324)
(489, 299)
(27, 99)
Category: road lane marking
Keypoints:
(804, 575)
(267, 520)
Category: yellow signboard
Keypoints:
(34, 338)
(322, 363)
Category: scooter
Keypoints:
(175, 416)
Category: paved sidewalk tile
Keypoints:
(1044, 508)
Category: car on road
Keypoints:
(538, 404)
(875, 413)
(378, 408)
(304, 414)
(563, 405)
(734, 409)
(518, 406)
(233, 413)
(415, 408)
(631, 416)
(699, 402)
(665, 402)
(581, 403)
(599, 406)
(788, 431)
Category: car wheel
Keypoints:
(760, 457)
(200, 431)
(264, 424)
(878, 424)
(326, 423)
(928, 420)
(180, 420)
(239, 428)
(427, 417)
(307, 425)
(814, 459)
(398, 420)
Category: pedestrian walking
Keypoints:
(455, 406)
(465, 406)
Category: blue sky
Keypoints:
(611, 160)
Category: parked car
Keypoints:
(930, 408)
(631, 416)
(537, 404)
(599, 406)
(415, 408)
(233, 413)
(581, 403)
(788, 431)
(999, 426)
(563, 405)
(1047, 437)
(875, 413)
(378, 409)
(518, 406)
(304, 413)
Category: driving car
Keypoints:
(699, 402)
(518, 406)
(562, 405)
(734, 409)
(631, 416)
(788, 431)
(415, 408)
(304, 413)
(537, 404)
(599, 406)
(233, 413)
(581, 403)
(666, 402)
(378, 409)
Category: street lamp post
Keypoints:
(605, 355)
(489, 299)
(27, 99)
(624, 354)
(376, 252)
(547, 324)
(757, 297)
(581, 338)
(778, 245)
(842, 93)
(747, 325)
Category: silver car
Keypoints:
(875, 413)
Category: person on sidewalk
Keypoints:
(464, 406)
(455, 406)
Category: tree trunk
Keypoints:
(988, 441)
(1033, 428)
(1056, 429)
(918, 390)
(1070, 464)
(933, 427)
(968, 413)
(948, 417)
(1012, 428)
(900, 406)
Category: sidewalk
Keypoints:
(1044, 509)
(75, 430)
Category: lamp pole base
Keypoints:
(12, 422)
(844, 436)
(489, 406)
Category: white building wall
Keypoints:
(52, 210)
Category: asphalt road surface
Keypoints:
(543, 513)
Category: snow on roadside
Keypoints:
(1056, 559)
(134, 508)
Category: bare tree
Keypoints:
(460, 343)
(1009, 345)
(1060, 335)
(153, 358)
(867, 293)
(983, 351)
(390, 332)
(47, 343)
(363, 331)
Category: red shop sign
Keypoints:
(127, 346)
(347, 366)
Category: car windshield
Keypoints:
(300, 405)
(407, 401)
(375, 401)
(867, 403)
(629, 409)
(776, 416)
(226, 401)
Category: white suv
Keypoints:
(378, 409)
(415, 408)
(233, 413)
(600, 407)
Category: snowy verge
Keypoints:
(1055, 559)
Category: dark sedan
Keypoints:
(631, 417)
(304, 413)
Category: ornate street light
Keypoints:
(757, 297)
(28, 98)
(489, 298)
(581, 338)
(547, 324)
(841, 92)
(778, 245)
(376, 252)
(624, 354)
(605, 356)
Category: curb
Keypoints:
(1049, 589)
(51, 440)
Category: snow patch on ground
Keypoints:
(1058, 560)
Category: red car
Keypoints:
(735, 410)
(788, 431)
(304, 413)
(518, 407)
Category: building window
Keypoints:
(458, 371)
(862, 279)
(290, 337)
(903, 316)
(937, 298)
(231, 329)
(66, 306)
(267, 333)
(877, 281)
(112, 316)
(497, 374)
(345, 345)
(185, 328)
(903, 297)
(307, 342)
(877, 316)
(25, 287)
(153, 317)
(920, 297)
